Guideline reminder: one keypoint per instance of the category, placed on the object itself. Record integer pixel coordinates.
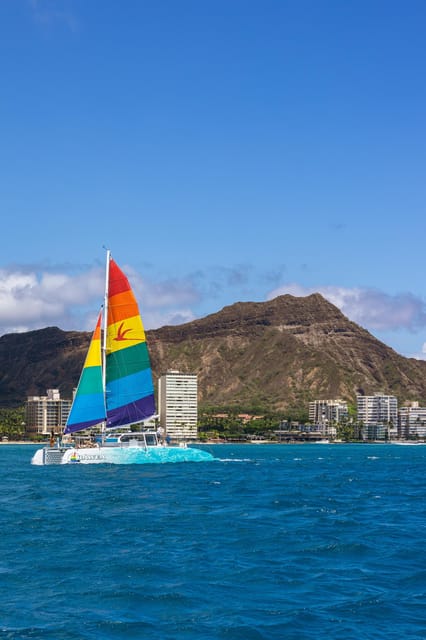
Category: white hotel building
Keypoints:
(327, 413)
(379, 415)
(412, 421)
(44, 414)
(178, 405)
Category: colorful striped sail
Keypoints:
(129, 387)
(88, 406)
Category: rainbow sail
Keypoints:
(116, 390)
(88, 406)
(129, 389)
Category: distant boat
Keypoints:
(116, 391)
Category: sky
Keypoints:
(222, 150)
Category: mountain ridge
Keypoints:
(281, 353)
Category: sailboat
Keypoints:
(115, 392)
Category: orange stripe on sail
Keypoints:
(97, 331)
(122, 306)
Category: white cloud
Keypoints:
(392, 318)
(170, 292)
(34, 300)
(370, 308)
(29, 300)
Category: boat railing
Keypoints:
(142, 439)
(52, 455)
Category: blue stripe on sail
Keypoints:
(129, 389)
(88, 408)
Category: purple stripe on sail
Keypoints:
(79, 426)
(131, 413)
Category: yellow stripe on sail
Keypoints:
(125, 333)
(93, 358)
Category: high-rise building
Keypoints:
(327, 413)
(44, 414)
(412, 421)
(379, 415)
(178, 405)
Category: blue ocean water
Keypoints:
(266, 542)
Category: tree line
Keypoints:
(12, 423)
(231, 423)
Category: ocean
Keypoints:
(267, 542)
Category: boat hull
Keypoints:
(118, 455)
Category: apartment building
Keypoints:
(379, 416)
(178, 405)
(412, 421)
(327, 413)
(44, 414)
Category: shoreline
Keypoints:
(404, 442)
(22, 442)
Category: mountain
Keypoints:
(282, 353)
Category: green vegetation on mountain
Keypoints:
(271, 356)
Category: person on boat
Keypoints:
(52, 439)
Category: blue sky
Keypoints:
(224, 150)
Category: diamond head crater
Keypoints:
(272, 356)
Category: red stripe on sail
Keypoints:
(118, 282)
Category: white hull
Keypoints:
(118, 455)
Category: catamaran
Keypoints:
(116, 392)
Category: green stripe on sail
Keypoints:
(127, 361)
(90, 381)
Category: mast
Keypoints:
(104, 327)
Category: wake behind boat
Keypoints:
(116, 391)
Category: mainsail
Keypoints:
(88, 406)
(129, 389)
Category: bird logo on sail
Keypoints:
(122, 333)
